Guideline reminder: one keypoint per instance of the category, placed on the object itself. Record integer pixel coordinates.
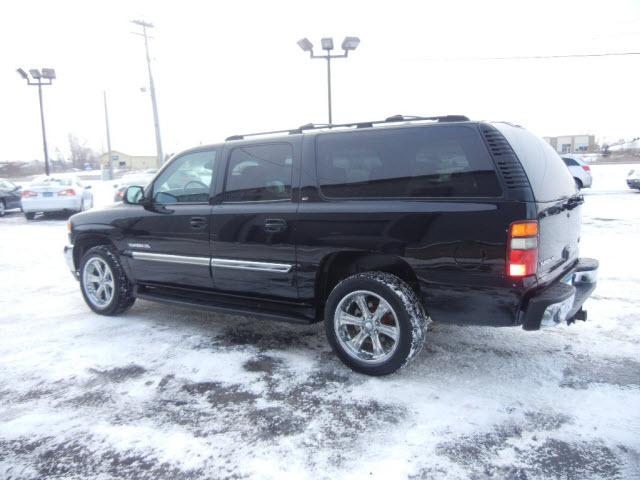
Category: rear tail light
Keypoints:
(69, 192)
(522, 249)
(28, 193)
(586, 168)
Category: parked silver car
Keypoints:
(580, 170)
(55, 194)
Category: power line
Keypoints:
(539, 57)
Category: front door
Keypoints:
(253, 222)
(170, 245)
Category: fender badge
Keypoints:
(139, 245)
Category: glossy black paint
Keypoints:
(10, 195)
(452, 250)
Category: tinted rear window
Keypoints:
(549, 178)
(259, 173)
(446, 161)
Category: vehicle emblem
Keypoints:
(139, 245)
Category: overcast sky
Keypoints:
(223, 68)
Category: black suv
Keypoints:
(375, 227)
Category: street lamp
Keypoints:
(348, 44)
(44, 77)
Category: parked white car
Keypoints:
(55, 194)
(633, 178)
(581, 171)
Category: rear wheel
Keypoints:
(3, 208)
(103, 282)
(578, 183)
(29, 215)
(375, 323)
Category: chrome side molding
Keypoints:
(214, 262)
(161, 257)
(249, 265)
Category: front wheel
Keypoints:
(375, 323)
(2, 208)
(103, 282)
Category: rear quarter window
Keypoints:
(418, 162)
(548, 175)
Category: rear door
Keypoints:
(557, 203)
(253, 221)
(170, 246)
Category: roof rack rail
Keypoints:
(411, 118)
(241, 137)
(317, 126)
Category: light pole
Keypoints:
(41, 78)
(348, 44)
(152, 88)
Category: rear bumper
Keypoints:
(68, 256)
(562, 300)
(51, 204)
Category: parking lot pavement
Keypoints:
(169, 393)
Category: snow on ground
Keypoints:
(169, 393)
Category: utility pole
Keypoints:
(152, 88)
(44, 77)
(106, 121)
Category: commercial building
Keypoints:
(123, 161)
(573, 143)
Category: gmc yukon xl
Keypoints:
(375, 228)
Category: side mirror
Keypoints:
(133, 195)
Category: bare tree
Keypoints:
(81, 155)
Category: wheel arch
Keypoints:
(337, 266)
(87, 241)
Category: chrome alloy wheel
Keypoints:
(366, 326)
(98, 282)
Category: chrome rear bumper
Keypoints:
(561, 302)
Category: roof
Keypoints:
(393, 120)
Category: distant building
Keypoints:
(130, 162)
(573, 143)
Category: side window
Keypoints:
(259, 173)
(434, 161)
(187, 179)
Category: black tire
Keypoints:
(29, 215)
(3, 208)
(578, 183)
(411, 320)
(122, 297)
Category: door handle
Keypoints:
(197, 223)
(274, 225)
